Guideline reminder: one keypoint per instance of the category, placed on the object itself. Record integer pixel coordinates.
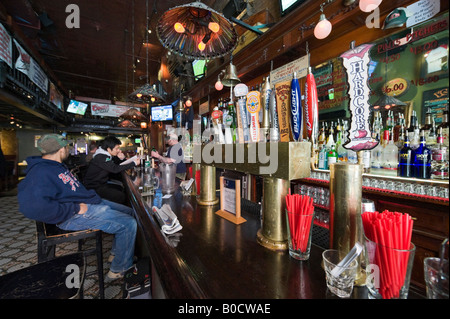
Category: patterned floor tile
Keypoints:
(18, 249)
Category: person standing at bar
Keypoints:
(51, 194)
(175, 155)
(103, 166)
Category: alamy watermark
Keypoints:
(73, 278)
(73, 19)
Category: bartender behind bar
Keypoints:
(175, 155)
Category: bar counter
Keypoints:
(213, 258)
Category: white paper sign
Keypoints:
(286, 72)
(422, 10)
(229, 196)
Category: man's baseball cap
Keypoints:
(51, 143)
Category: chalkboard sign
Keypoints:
(230, 200)
(437, 101)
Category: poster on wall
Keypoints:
(5, 46)
(28, 66)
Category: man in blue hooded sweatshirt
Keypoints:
(51, 194)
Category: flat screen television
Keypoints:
(162, 113)
(77, 107)
(287, 6)
(199, 68)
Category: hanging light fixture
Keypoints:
(369, 5)
(218, 85)
(323, 27)
(387, 102)
(146, 93)
(196, 31)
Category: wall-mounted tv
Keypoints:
(162, 113)
(287, 6)
(77, 107)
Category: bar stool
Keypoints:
(52, 279)
(49, 235)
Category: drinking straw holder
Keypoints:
(299, 221)
(389, 253)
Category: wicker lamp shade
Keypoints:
(196, 31)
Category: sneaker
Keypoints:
(114, 275)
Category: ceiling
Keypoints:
(97, 59)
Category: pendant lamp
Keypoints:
(196, 31)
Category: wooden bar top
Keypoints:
(213, 258)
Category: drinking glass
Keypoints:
(299, 229)
(341, 285)
(388, 270)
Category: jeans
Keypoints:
(111, 218)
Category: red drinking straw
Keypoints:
(391, 231)
(299, 218)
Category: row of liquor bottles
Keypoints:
(420, 152)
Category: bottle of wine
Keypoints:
(405, 160)
(422, 159)
(439, 161)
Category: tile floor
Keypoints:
(18, 248)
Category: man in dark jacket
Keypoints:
(106, 162)
(51, 194)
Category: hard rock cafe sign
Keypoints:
(356, 62)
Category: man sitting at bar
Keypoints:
(105, 165)
(51, 194)
(175, 155)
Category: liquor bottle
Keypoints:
(428, 124)
(366, 161)
(439, 161)
(389, 124)
(341, 150)
(444, 126)
(413, 131)
(422, 159)
(323, 164)
(321, 139)
(375, 161)
(330, 139)
(431, 138)
(398, 127)
(332, 156)
(405, 160)
(389, 157)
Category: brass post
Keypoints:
(273, 233)
(208, 186)
(345, 209)
(195, 168)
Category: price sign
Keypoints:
(396, 87)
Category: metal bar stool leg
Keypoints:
(99, 244)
